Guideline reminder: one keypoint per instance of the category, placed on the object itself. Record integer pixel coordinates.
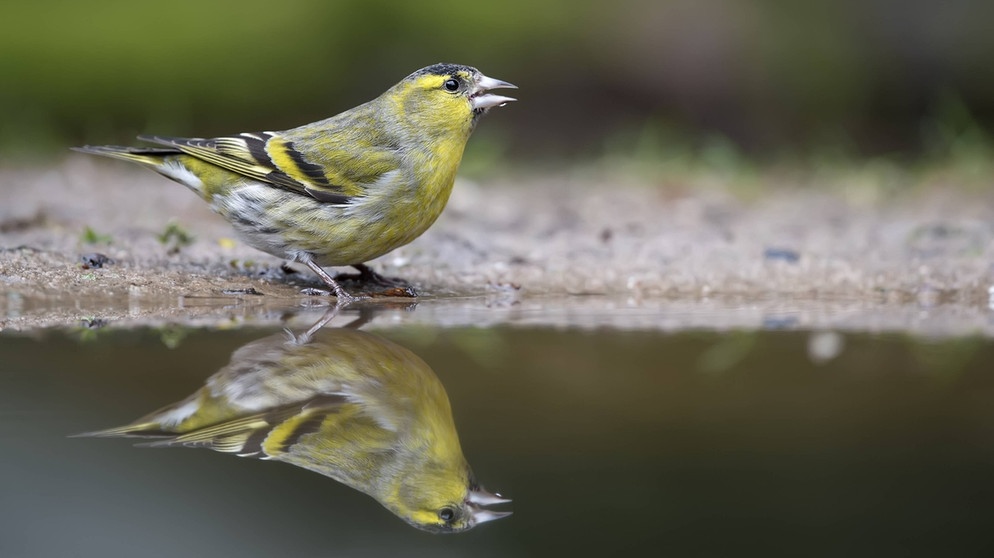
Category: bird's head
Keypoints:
(445, 503)
(446, 98)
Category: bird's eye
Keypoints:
(451, 85)
(446, 514)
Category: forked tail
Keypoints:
(169, 162)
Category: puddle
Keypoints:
(759, 435)
(500, 308)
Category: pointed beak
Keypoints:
(480, 497)
(480, 99)
(483, 516)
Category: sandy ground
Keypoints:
(577, 248)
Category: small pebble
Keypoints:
(95, 260)
(782, 254)
(93, 323)
(246, 291)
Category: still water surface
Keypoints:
(690, 443)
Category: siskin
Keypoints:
(341, 191)
(343, 403)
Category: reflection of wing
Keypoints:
(268, 434)
(272, 373)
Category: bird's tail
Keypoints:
(167, 161)
(134, 430)
(148, 156)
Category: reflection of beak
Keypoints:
(480, 497)
(480, 99)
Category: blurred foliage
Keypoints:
(728, 353)
(712, 80)
(172, 336)
(175, 236)
(90, 236)
(89, 329)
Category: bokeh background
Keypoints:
(763, 79)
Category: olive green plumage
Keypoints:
(343, 403)
(344, 190)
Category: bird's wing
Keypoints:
(264, 434)
(357, 157)
(270, 157)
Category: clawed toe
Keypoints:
(311, 291)
(343, 298)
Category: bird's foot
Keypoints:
(311, 291)
(388, 286)
(343, 297)
(337, 291)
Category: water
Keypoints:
(701, 443)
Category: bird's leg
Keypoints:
(342, 296)
(305, 338)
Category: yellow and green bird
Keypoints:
(341, 191)
(343, 403)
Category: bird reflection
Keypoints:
(344, 403)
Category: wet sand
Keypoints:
(563, 248)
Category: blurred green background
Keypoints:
(765, 78)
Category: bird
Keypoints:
(340, 191)
(344, 403)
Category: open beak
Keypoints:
(480, 99)
(479, 497)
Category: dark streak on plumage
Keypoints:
(253, 445)
(254, 226)
(312, 171)
(325, 196)
(309, 426)
(444, 69)
(257, 149)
